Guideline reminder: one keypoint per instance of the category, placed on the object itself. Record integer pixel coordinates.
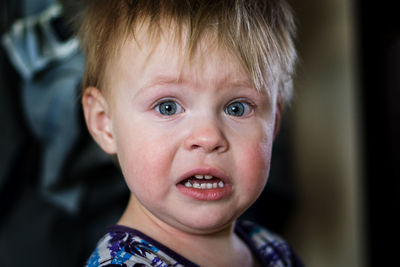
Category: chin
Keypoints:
(206, 224)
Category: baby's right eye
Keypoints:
(168, 108)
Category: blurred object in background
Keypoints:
(328, 228)
(47, 58)
(346, 130)
(58, 191)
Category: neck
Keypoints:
(220, 248)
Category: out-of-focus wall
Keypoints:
(327, 227)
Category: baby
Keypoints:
(188, 95)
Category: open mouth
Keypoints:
(205, 185)
(200, 181)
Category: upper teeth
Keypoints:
(207, 177)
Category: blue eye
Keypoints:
(169, 108)
(238, 109)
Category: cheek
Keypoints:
(145, 161)
(256, 161)
(254, 164)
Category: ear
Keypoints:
(278, 115)
(98, 119)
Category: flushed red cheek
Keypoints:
(255, 163)
(149, 168)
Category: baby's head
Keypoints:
(188, 94)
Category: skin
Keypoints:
(156, 151)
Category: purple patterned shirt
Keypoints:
(127, 247)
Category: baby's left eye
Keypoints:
(238, 109)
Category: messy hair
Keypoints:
(260, 33)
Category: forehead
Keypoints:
(165, 57)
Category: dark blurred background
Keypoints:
(334, 177)
(346, 129)
(379, 67)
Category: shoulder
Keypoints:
(127, 247)
(273, 250)
(118, 247)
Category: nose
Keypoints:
(207, 136)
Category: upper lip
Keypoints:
(205, 171)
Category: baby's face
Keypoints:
(193, 140)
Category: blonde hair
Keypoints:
(260, 33)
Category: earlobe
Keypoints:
(97, 117)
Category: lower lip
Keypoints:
(205, 194)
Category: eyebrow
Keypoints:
(160, 80)
(177, 80)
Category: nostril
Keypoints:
(195, 146)
(208, 149)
